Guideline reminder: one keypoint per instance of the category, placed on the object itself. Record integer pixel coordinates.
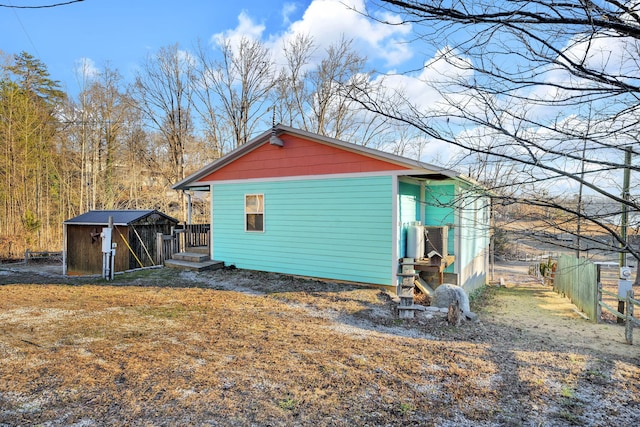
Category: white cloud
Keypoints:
(247, 28)
(616, 56)
(435, 87)
(85, 69)
(327, 22)
(186, 57)
(287, 10)
(330, 20)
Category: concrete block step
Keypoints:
(191, 256)
(194, 266)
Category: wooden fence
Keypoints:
(582, 282)
(42, 256)
(181, 238)
(576, 278)
(629, 303)
(195, 235)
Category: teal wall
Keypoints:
(474, 223)
(440, 210)
(335, 228)
(474, 238)
(466, 212)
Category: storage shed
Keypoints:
(134, 232)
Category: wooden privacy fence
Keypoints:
(576, 278)
(181, 238)
(581, 281)
(195, 235)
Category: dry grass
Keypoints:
(184, 349)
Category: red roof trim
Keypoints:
(298, 157)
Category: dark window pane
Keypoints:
(255, 222)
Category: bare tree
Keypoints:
(163, 91)
(546, 91)
(234, 89)
(311, 92)
(333, 114)
(207, 104)
(291, 90)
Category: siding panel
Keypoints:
(300, 157)
(338, 228)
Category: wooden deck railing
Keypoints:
(181, 238)
(196, 235)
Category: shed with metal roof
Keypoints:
(134, 232)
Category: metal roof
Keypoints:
(120, 217)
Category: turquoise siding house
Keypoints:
(303, 204)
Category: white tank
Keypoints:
(415, 241)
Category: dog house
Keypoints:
(134, 233)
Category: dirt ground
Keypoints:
(552, 320)
(235, 347)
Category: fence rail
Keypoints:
(42, 255)
(180, 239)
(629, 303)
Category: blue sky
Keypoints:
(121, 33)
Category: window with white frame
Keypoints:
(254, 212)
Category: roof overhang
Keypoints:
(121, 218)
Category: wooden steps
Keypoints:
(191, 257)
(194, 266)
(194, 259)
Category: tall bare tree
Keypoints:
(111, 113)
(333, 114)
(549, 90)
(235, 88)
(163, 91)
(310, 91)
(292, 91)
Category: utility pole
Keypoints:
(579, 207)
(624, 223)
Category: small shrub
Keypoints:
(288, 404)
(568, 392)
(406, 408)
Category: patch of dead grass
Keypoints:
(287, 352)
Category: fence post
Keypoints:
(598, 293)
(628, 327)
(598, 301)
(173, 241)
(159, 249)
